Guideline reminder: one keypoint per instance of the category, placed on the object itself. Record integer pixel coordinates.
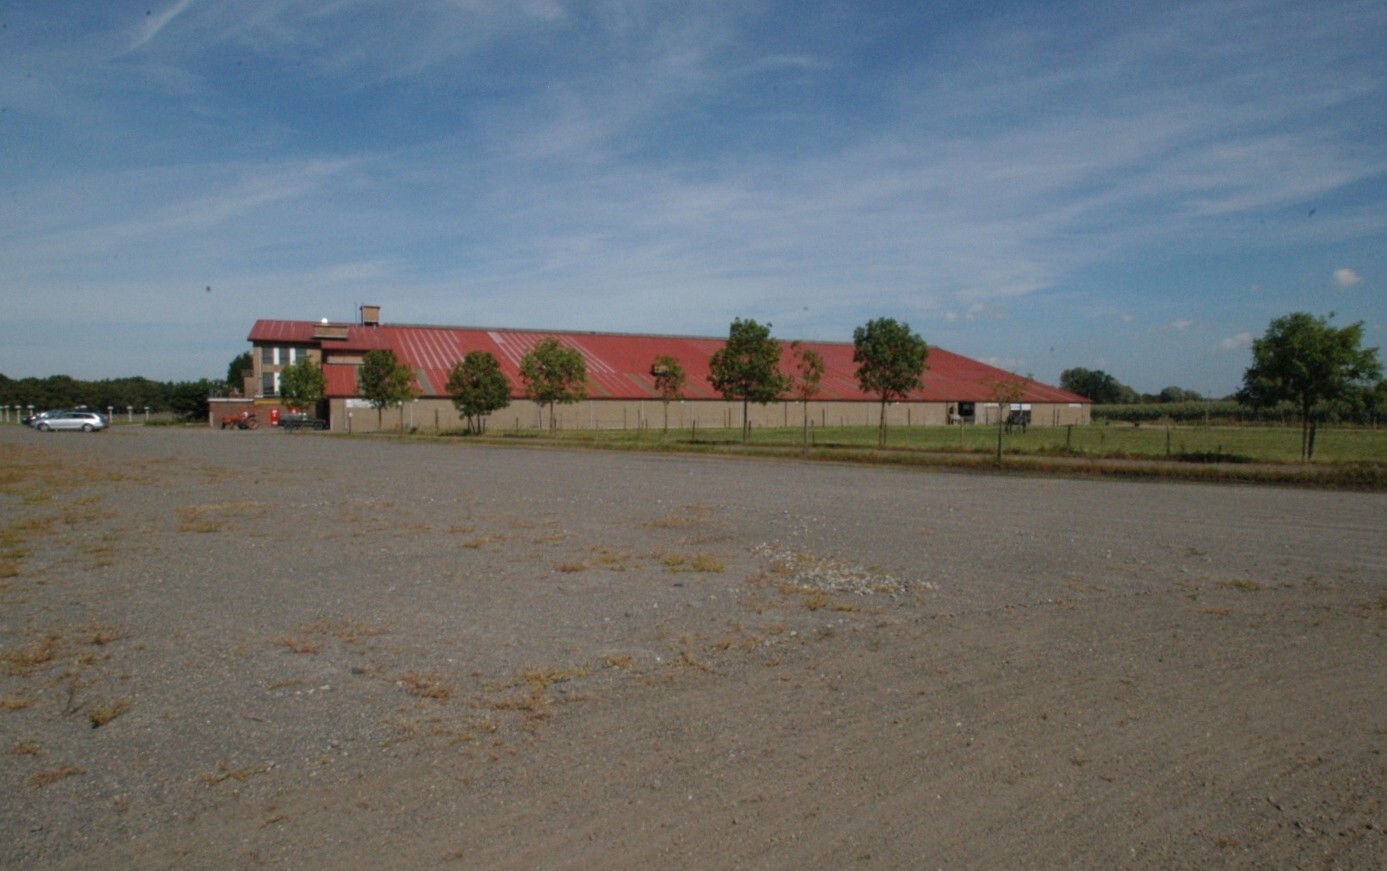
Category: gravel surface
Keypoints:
(244, 649)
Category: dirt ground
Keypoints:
(302, 651)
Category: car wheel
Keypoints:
(43, 427)
(86, 427)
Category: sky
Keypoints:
(1138, 188)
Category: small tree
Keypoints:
(891, 361)
(303, 384)
(747, 368)
(554, 373)
(669, 383)
(805, 381)
(478, 387)
(1005, 392)
(236, 372)
(385, 381)
(1306, 361)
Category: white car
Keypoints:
(86, 421)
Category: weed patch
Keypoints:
(347, 632)
(100, 715)
(815, 600)
(425, 685)
(225, 772)
(46, 778)
(298, 645)
(527, 692)
(216, 517)
(696, 563)
(101, 635)
(1375, 607)
(26, 660)
(611, 560)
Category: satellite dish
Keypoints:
(324, 320)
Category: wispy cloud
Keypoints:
(155, 22)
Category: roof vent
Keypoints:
(370, 315)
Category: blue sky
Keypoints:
(1137, 188)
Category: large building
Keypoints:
(621, 387)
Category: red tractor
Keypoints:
(244, 420)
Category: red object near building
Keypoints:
(274, 417)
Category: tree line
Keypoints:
(1103, 389)
(891, 361)
(186, 399)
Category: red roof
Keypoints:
(619, 364)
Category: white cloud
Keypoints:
(153, 23)
(1346, 278)
(1233, 343)
(1182, 324)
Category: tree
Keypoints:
(891, 361)
(303, 384)
(1096, 386)
(1006, 391)
(188, 399)
(553, 373)
(236, 372)
(478, 387)
(1178, 394)
(1375, 402)
(747, 368)
(385, 381)
(1305, 361)
(669, 383)
(805, 380)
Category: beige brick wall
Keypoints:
(432, 415)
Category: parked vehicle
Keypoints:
(86, 421)
(33, 419)
(244, 420)
(294, 420)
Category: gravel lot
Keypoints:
(244, 649)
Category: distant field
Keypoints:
(1249, 444)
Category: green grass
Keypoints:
(1247, 444)
(1345, 457)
